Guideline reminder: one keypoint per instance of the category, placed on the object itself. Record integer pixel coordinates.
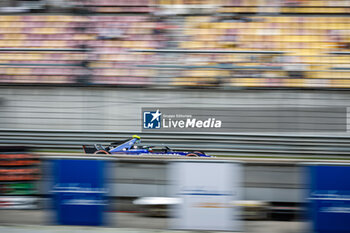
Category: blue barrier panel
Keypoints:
(79, 191)
(330, 198)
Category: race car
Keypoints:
(132, 147)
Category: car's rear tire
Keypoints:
(192, 155)
(101, 152)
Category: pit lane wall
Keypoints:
(88, 176)
(263, 179)
(271, 180)
(267, 180)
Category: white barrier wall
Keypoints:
(207, 190)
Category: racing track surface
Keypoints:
(33, 221)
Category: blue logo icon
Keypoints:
(152, 120)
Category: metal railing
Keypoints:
(226, 144)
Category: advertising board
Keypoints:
(79, 191)
(207, 190)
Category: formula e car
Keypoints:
(132, 147)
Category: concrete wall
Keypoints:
(266, 182)
(120, 109)
(271, 182)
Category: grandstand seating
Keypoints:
(121, 6)
(307, 40)
(269, 6)
(109, 57)
(287, 6)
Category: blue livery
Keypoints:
(79, 192)
(329, 194)
(132, 147)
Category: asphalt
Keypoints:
(33, 221)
